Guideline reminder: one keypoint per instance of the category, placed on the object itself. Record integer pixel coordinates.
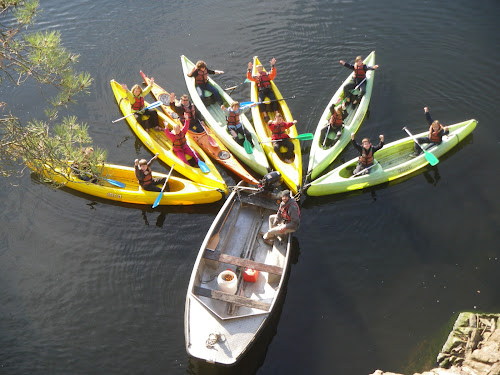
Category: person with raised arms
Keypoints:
(263, 81)
(286, 220)
(148, 118)
(366, 151)
(144, 175)
(184, 106)
(200, 74)
(281, 138)
(436, 132)
(358, 75)
(179, 141)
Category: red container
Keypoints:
(250, 275)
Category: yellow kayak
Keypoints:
(291, 171)
(182, 191)
(157, 142)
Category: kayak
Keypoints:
(215, 118)
(290, 170)
(157, 142)
(393, 161)
(320, 157)
(182, 191)
(203, 136)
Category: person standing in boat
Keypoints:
(280, 137)
(179, 141)
(143, 174)
(184, 106)
(366, 151)
(286, 220)
(236, 129)
(263, 81)
(200, 74)
(147, 118)
(436, 132)
(358, 75)
(335, 124)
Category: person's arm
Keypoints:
(294, 217)
(347, 65)
(138, 172)
(167, 131)
(272, 74)
(374, 67)
(193, 73)
(186, 126)
(380, 145)
(249, 73)
(354, 143)
(153, 159)
(428, 115)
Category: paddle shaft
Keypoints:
(214, 241)
(158, 199)
(366, 169)
(300, 137)
(151, 106)
(112, 182)
(350, 92)
(433, 160)
(244, 104)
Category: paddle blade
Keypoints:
(116, 183)
(244, 104)
(213, 242)
(203, 166)
(248, 147)
(305, 137)
(431, 158)
(157, 200)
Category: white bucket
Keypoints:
(227, 281)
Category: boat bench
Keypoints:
(247, 263)
(226, 297)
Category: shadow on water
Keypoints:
(256, 355)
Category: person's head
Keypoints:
(359, 60)
(88, 151)
(176, 129)
(279, 118)
(143, 164)
(185, 100)
(136, 90)
(235, 105)
(259, 68)
(201, 64)
(436, 124)
(366, 143)
(285, 195)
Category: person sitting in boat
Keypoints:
(280, 137)
(263, 81)
(358, 76)
(83, 169)
(184, 106)
(179, 141)
(286, 220)
(147, 118)
(366, 151)
(143, 174)
(436, 132)
(334, 126)
(234, 126)
(200, 74)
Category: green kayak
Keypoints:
(393, 161)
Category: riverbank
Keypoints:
(472, 347)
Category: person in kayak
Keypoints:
(366, 151)
(234, 126)
(200, 74)
(358, 75)
(334, 126)
(185, 106)
(286, 220)
(278, 128)
(179, 141)
(143, 174)
(82, 169)
(263, 81)
(147, 118)
(435, 137)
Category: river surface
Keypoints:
(378, 277)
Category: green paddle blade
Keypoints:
(247, 146)
(304, 137)
(431, 158)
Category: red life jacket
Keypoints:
(359, 72)
(284, 211)
(366, 158)
(148, 178)
(179, 140)
(190, 111)
(263, 81)
(202, 77)
(233, 118)
(434, 136)
(278, 130)
(336, 119)
(138, 104)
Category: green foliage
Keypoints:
(41, 58)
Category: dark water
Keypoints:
(88, 287)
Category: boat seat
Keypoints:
(247, 263)
(231, 298)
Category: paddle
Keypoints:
(152, 105)
(247, 146)
(211, 140)
(326, 136)
(214, 241)
(244, 104)
(158, 199)
(203, 166)
(300, 137)
(232, 88)
(430, 157)
(350, 92)
(112, 182)
(366, 169)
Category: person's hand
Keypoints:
(151, 80)
(352, 136)
(294, 122)
(273, 61)
(222, 107)
(381, 136)
(282, 228)
(172, 97)
(233, 133)
(446, 128)
(156, 155)
(186, 115)
(342, 62)
(426, 109)
(125, 86)
(250, 65)
(136, 161)
(375, 67)
(219, 72)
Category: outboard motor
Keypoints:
(271, 181)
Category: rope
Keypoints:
(213, 338)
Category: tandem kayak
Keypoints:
(393, 161)
(203, 137)
(157, 142)
(182, 191)
(291, 171)
(215, 118)
(320, 157)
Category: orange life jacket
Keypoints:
(190, 110)
(284, 211)
(179, 140)
(366, 157)
(263, 81)
(202, 77)
(138, 104)
(148, 178)
(434, 136)
(336, 119)
(359, 71)
(233, 118)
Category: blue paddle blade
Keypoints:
(203, 166)
(157, 200)
(244, 104)
(116, 183)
